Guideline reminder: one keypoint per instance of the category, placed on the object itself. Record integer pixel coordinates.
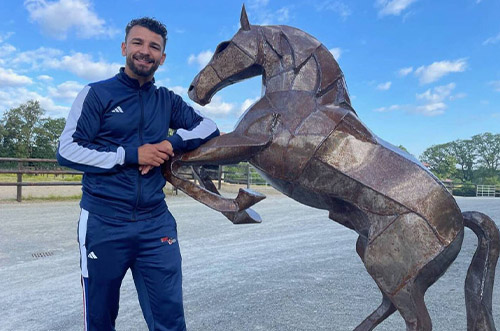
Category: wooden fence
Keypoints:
(242, 173)
(27, 167)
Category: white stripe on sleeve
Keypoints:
(75, 153)
(204, 129)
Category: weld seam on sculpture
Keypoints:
(328, 88)
(304, 137)
(371, 240)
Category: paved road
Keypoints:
(295, 271)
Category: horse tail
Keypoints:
(481, 273)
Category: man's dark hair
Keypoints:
(150, 24)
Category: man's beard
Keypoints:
(139, 71)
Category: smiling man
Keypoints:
(116, 132)
(141, 65)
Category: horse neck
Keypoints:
(280, 73)
(319, 73)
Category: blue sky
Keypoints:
(419, 72)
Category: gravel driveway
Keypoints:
(295, 271)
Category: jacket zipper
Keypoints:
(141, 142)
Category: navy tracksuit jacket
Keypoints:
(125, 222)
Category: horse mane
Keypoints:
(297, 47)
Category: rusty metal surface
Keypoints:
(307, 141)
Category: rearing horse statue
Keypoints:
(306, 140)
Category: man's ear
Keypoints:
(163, 57)
(124, 49)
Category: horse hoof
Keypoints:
(248, 216)
(247, 198)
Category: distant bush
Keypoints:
(464, 190)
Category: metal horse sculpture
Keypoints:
(304, 137)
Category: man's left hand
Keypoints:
(166, 147)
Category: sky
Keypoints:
(419, 72)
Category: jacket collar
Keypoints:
(134, 83)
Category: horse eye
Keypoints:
(222, 46)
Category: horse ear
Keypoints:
(245, 25)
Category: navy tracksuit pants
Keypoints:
(109, 247)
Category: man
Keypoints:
(116, 133)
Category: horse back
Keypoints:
(354, 151)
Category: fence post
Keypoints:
(193, 175)
(248, 175)
(19, 181)
(220, 176)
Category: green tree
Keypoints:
(401, 147)
(2, 135)
(464, 153)
(24, 132)
(487, 146)
(440, 160)
(19, 126)
(47, 137)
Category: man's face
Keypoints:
(144, 52)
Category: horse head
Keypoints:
(286, 57)
(233, 61)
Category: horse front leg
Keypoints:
(246, 216)
(230, 148)
(226, 149)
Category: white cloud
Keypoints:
(45, 78)
(57, 18)
(495, 84)
(201, 59)
(434, 100)
(246, 104)
(433, 72)
(6, 49)
(430, 103)
(182, 91)
(216, 107)
(66, 91)
(268, 17)
(80, 64)
(336, 52)
(431, 109)
(13, 97)
(255, 4)
(388, 109)
(492, 40)
(384, 86)
(458, 96)
(163, 81)
(9, 78)
(392, 7)
(262, 15)
(338, 7)
(5, 36)
(83, 66)
(439, 93)
(405, 71)
(40, 58)
(283, 15)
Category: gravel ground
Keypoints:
(295, 271)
